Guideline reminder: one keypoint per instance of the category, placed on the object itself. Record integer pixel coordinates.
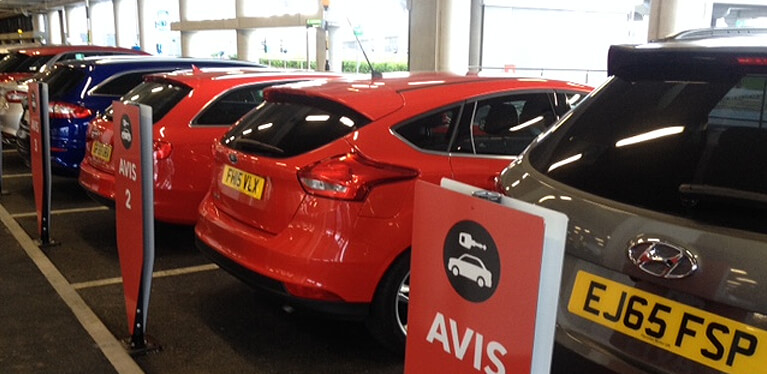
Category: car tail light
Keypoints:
(754, 61)
(64, 110)
(15, 96)
(162, 149)
(349, 176)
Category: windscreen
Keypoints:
(292, 127)
(61, 80)
(162, 96)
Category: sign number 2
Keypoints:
(127, 198)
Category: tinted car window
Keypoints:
(120, 84)
(62, 79)
(161, 96)
(504, 125)
(433, 131)
(285, 129)
(21, 63)
(229, 107)
(694, 149)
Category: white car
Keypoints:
(471, 267)
(11, 95)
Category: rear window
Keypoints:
(21, 63)
(285, 129)
(162, 96)
(693, 149)
(61, 80)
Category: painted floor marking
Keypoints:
(107, 343)
(156, 274)
(62, 211)
(20, 175)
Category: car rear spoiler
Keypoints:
(684, 61)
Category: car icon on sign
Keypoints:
(470, 267)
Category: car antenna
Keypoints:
(374, 74)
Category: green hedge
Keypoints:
(347, 66)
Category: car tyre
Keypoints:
(480, 282)
(455, 271)
(387, 321)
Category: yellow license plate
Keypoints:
(101, 151)
(249, 184)
(721, 343)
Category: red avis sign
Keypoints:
(475, 277)
(134, 211)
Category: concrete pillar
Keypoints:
(668, 17)
(439, 35)
(335, 48)
(187, 44)
(144, 26)
(475, 35)
(88, 21)
(321, 50)
(117, 21)
(54, 29)
(63, 25)
(245, 51)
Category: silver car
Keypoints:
(663, 174)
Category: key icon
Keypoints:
(466, 241)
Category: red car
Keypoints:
(190, 110)
(312, 193)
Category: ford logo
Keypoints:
(662, 259)
(233, 158)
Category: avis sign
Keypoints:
(477, 272)
(134, 213)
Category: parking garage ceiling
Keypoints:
(10, 8)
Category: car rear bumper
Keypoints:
(328, 262)
(100, 185)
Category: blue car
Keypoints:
(78, 90)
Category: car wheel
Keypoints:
(480, 282)
(388, 314)
(456, 272)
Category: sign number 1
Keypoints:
(127, 198)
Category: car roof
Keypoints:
(126, 60)
(688, 59)
(233, 74)
(377, 97)
(56, 49)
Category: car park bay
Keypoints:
(205, 319)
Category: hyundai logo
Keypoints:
(233, 158)
(662, 259)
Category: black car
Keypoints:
(663, 174)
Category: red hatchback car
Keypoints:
(312, 196)
(190, 110)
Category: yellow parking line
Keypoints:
(21, 175)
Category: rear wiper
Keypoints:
(705, 190)
(255, 144)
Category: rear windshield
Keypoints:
(299, 125)
(21, 63)
(161, 96)
(693, 149)
(61, 80)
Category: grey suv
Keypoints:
(663, 174)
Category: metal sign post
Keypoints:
(40, 157)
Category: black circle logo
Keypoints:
(126, 131)
(471, 260)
